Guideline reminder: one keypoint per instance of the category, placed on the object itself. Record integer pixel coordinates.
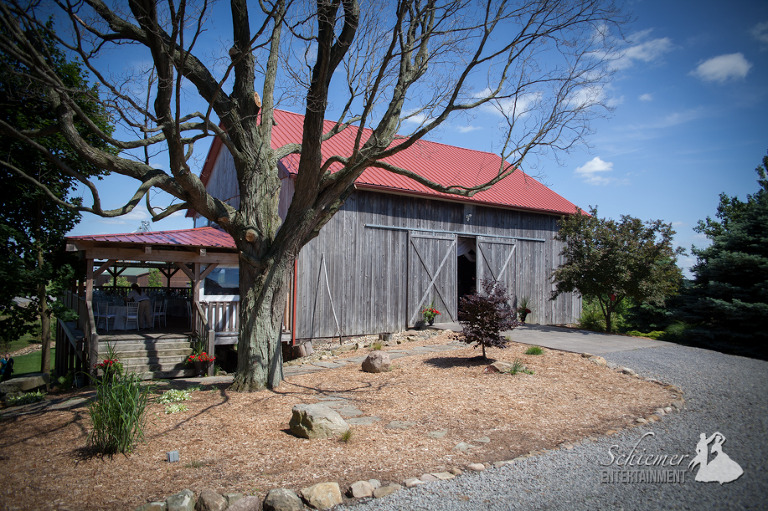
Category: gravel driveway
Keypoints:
(723, 393)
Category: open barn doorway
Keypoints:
(466, 266)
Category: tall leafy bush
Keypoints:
(118, 414)
(483, 316)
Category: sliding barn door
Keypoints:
(496, 261)
(431, 275)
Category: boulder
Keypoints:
(361, 490)
(499, 367)
(377, 362)
(152, 506)
(246, 504)
(209, 500)
(386, 490)
(182, 501)
(322, 495)
(282, 499)
(317, 421)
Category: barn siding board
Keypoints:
(368, 267)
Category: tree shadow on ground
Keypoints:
(449, 362)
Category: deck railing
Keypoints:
(73, 352)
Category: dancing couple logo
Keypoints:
(638, 465)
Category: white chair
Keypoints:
(101, 311)
(159, 312)
(132, 314)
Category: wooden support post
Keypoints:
(211, 349)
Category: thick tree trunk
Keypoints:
(262, 301)
(45, 313)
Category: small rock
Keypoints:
(499, 464)
(209, 500)
(429, 478)
(182, 501)
(668, 409)
(566, 446)
(316, 421)
(386, 490)
(375, 483)
(455, 471)
(282, 499)
(477, 467)
(627, 370)
(443, 476)
(377, 362)
(412, 481)
(610, 432)
(463, 446)
(322, 495)
(660, 412)
(246, 504)
(437, 434)
(586, 355)
(598, 360)
(641, 420)
(652, 418)
(361, 490)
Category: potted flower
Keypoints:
(429, 313)
(523, 310)
(201, 362)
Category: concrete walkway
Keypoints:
(573, 340)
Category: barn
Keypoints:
(396, 246)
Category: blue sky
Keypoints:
(690, 120)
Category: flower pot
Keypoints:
(431, 321)
(201, 368)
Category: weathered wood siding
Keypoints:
(358, 279)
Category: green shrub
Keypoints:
(376, 346)
(24, 399)
(175, 408)
(675, 332)
(518, 367)
(534, 350)
(118, 414)
(173, 396)
(346, 436)
(656, 334)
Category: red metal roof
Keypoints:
(203, 237)
(440, 163)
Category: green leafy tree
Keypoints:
(155, 278)
(730, 285)
(610, 261)
(33, 221)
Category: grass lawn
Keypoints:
(30, 363)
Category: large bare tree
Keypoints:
(401, 68)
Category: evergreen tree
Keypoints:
(730, 291)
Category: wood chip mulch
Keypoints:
(240, 442)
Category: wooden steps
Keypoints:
(151, 358)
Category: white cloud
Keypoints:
(645, 97)
(467, 129)
(723, 68)
(760, 32)
(417, 118)
(517, 106)
(592, 171)
(641, 49)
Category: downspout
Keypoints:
(293, 307)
